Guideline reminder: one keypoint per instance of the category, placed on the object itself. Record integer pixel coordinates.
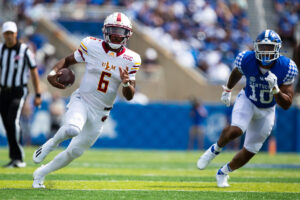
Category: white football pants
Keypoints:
(257, 122)
(89, 123)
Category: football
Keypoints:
(67, 77)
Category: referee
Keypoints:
(16, 60)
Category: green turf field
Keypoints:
(131, 174)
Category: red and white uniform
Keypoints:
(101, 80)
(98, 89)
(90, 104)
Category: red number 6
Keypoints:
(103, 84)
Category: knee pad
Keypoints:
(71, 130)
(75, 152)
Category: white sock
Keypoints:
(60, 161)
(217, 148)
(226, 169)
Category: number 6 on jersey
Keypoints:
(103, 84)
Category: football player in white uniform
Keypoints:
(108, 64)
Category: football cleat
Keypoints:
(38, 179)
(40, 154)
(208, 156)
(15, 164)
(222, 179)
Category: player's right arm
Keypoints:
(234, 78)
(80, 55)
(54, 73)
(237, 72)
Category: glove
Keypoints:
(226, 96)
(272, 81)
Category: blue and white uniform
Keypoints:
(254, 109)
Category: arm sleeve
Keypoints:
(81, 53)
(238, 61)
(291, 74)
(134, 68)
(29, 56)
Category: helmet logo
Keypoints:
(119, 17)
(272, 34)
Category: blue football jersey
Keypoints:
(257, 88)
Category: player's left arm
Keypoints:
(128, 77)
(284, 97)
(128, 89)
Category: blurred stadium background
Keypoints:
(187, 47)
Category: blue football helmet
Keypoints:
(266, 47)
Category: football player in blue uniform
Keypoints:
(269, 80)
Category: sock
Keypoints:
(225, 169)
(60, 161)
(216, 149)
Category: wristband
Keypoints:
(52, 73)
(226, 89)
(38, 95)
(276, 89)
(126, 84)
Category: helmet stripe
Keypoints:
(119, 17)
(267, 33)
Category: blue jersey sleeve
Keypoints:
(291, 74)
(238, 61)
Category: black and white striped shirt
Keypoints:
(15, 63)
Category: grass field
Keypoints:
(130, 174)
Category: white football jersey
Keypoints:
(101, 80)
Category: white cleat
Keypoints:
(40, 154)
(15, 164)
(205, 159)
(38, 179)
(222, 179)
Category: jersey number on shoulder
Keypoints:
(103, 84)
(261, 95)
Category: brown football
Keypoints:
(67, 77)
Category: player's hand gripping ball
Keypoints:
(61, 79)
(66, 77)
